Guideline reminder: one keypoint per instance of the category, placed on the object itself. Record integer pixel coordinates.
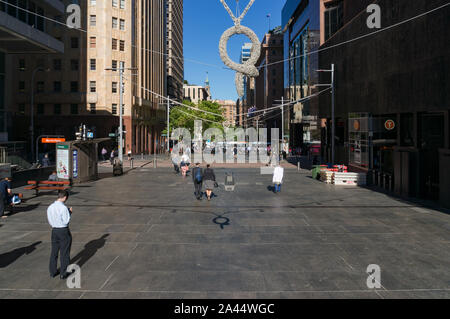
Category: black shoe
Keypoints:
(53, 276)
(66, 275)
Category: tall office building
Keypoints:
(22, 32)
(82, 85)
(175, 62)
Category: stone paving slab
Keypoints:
(143, 235)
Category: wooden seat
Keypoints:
(48, 185)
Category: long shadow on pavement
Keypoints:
(90, 249)
(8, 258)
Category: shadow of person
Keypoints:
(22, 209)
(8, 258)
(271, 188)
(90, 249)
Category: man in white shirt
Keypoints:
(58, 216)
(278, 178)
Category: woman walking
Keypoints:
(210, 180)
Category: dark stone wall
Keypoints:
(403, 69)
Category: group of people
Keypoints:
(112, 155)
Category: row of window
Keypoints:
(27, 15)
(116, 23)
(74, 109)
(58, 64)
(114, 3)
(57, 109)
(114, 86)
(57, 86)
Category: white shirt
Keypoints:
(58, 215)
(185, 158)
(278, 175)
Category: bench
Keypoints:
(48, 185)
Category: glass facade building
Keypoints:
(301, 31)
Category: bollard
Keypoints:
(298, 165)
(154, 163)
(132, 164)
(142, 156)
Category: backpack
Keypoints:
(198, 175)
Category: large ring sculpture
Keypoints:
(248, 67)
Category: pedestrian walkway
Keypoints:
(144, 235)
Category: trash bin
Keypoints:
(117, 168)
(229, 182)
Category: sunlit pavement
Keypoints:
(144, 235)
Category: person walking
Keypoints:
(58, 216)
(5, 196)
(197, 177)
(46, 161)
(185, 162)
(277, 179)
(104, 152)
(111, 157)
(176, 164)
(210, 180)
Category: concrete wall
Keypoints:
(21, 178)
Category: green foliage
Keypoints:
(184, 117)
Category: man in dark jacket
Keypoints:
(197, 177)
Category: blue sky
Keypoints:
(204, 23)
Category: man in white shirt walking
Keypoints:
(58, 216)
(278, 178)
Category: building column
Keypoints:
(447, 129)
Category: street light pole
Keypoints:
(121, 70)
(32, 111)
(332, 115)
(333, 124)
(168, 125)
(282, 118)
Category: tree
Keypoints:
(184, 117)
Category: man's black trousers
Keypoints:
(61, 243)
(198, 189)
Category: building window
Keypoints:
(92, 108)
(74, 65)
(21, 86)
(114, 87)
(333, 20)
(74, 43)
(22, 108)
(114, 64)
(93, 20)
(122, 24)
(74, 86)
(122, 4)
(57, 64)
(92, 42)
(73, 108)
(114, 44)
(114, 109)
(57, 109)
(40, 109)
(22, 65)
(40, 87)
(114, 23)
(122, 45)
(57, 86)
(93, 64)
(92, 86)
(114, 3)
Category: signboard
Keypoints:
(62, 161)
(52, 140)
(389, 125)
(75, 163)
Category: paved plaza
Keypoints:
(144, 235)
